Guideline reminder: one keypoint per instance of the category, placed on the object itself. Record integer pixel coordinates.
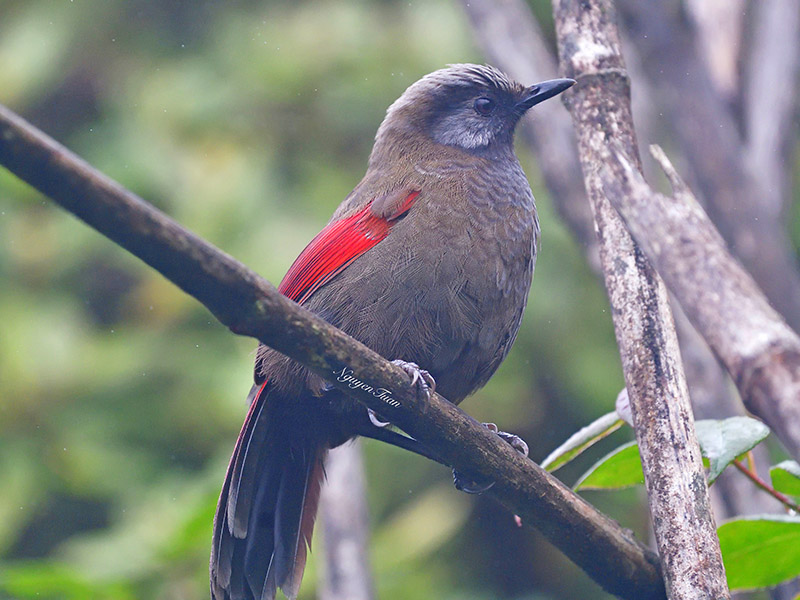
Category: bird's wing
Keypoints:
(256, 550)
(341, 242)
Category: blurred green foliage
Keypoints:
(121, 398)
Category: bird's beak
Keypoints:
(542, 91)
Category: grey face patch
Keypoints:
(446, 98)
(465, 128)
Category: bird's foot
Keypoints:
(423, 382)
(424, 385)
(472, 486)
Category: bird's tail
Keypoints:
(267, 508)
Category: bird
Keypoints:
(428, 261)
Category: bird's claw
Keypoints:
(516, 442)
(423, 382)
(472, 486)
(375, 420)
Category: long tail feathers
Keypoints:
(295, 520)
(245, 462)
(266, 510)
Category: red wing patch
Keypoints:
(335, 247)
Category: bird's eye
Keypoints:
(484, 106)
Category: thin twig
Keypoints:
(753, 476)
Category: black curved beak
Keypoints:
(542, 91)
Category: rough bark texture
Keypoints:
(513, 41)
(600, 105)
(761, 352)
(249, 305)
(719, 29)
(750, 50)
(345, 527)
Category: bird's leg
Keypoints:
(424, 385)
(462, 483)
(472, 486)
(423, 382)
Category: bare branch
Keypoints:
(249, 305)
(600, 105)
(755, 344)
(719, 27)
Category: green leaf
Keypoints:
(620, 469)
(786, 477)
(581, 440)
(760, 551)
(722, 441)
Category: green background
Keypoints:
(121, 397)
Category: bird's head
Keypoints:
(471, 107)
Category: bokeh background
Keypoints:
(121, 397)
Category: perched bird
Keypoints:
(429, 260)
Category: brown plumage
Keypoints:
(429, 259)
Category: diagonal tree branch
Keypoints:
(249, 305)
(761, 352)
(512, 40)
(709, 137)
(590, 52)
